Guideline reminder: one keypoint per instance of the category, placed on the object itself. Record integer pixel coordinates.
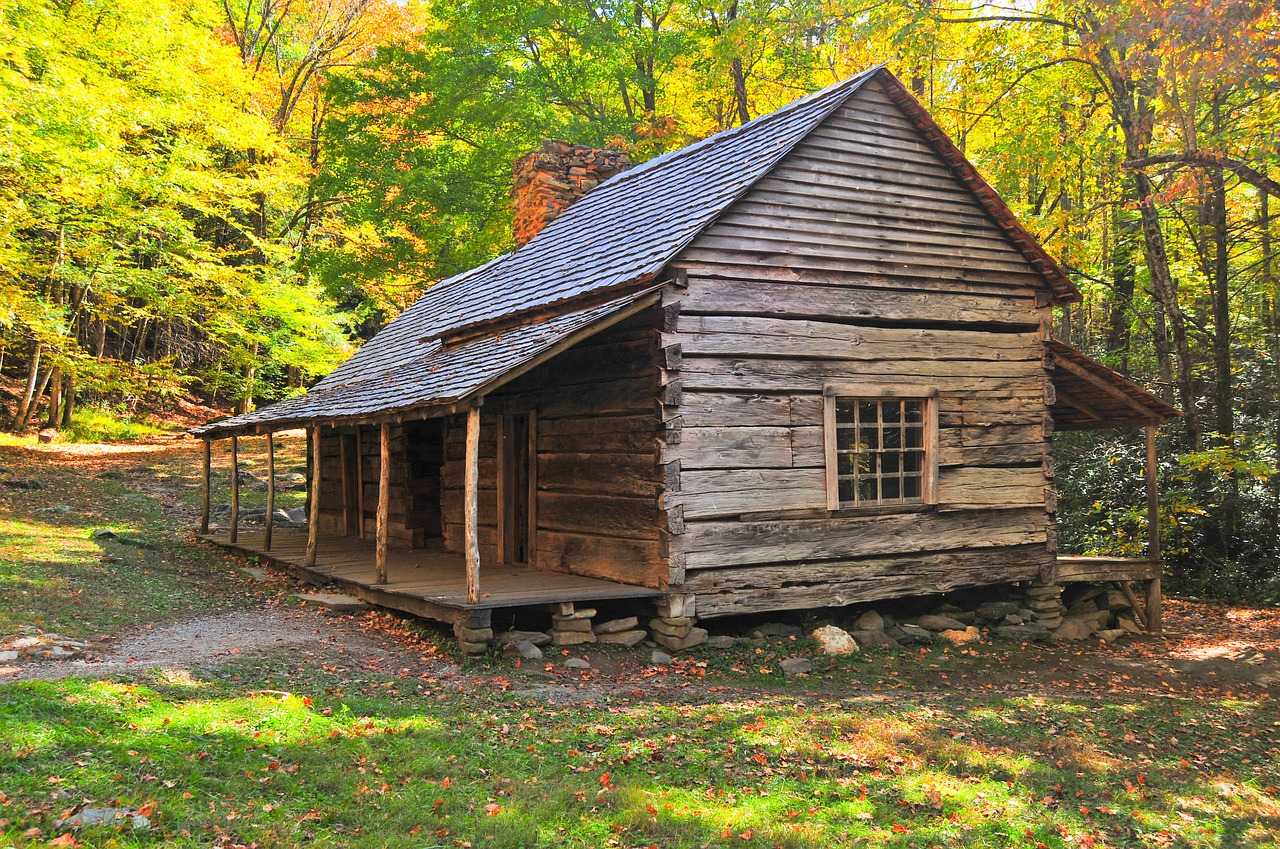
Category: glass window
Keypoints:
(880, 451)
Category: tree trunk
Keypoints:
(25, 403)
(55, 397)
(1166, 293)
(1124, 230)
(68, 400)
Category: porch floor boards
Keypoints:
(424, 581)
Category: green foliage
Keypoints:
(106, 423)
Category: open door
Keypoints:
(352, 503)
(517, 472)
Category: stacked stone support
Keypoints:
(673, 627)
(472, 640)
(571, 626)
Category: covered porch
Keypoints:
(427, 582)
(1090, 396)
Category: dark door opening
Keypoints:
(517, 456)
(352, 503)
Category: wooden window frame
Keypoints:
(832, 393)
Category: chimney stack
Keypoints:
(554, 176)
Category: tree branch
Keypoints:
(1210, 159)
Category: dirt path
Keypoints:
(210, 641)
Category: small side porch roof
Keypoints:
(1091, 396)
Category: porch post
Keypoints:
(1153, 533)
(384, 502)
(360, 481)
(235, 489)
(271, 491)
(471, 505)
(313, 520)
(204, 487)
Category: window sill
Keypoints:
(882, 510)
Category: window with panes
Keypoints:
(880, 451)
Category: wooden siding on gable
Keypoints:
(859, 259)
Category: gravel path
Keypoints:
(210, 641)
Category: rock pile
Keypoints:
(33, 644)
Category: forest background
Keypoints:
(223, 197)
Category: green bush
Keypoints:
(101, 423)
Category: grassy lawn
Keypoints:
(989, 746)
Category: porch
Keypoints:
(427, 582)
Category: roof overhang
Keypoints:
(1090, 396)
(443, 381)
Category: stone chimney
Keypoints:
(554, 176)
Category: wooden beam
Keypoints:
(471, 508)
(360, 478)
(1154, 600)
(269, 519)
(235, 490)
(1072, 401)
(1091, 378)
(344, 473)
(384, 502)
(204, 487)
(313, 520)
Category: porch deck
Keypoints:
(425, 582)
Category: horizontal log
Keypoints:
(806, 587)
(724, 544)
(611, 558)
(609, 474)
(731, 492)
(740, 336)
(967, 487)
(779, 375)
(601, 515)
(716, 296)
(731, 447)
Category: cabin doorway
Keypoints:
(352, 503)
(517, 473)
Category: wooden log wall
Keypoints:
(416, 453)
(597, 454)
(860, 259)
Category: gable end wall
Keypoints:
(860, 258)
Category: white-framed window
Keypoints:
(881, 447)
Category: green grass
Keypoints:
(908, 749)
(96, 423)
(278, 754)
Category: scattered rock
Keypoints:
(576, 663)
(661, 658)
(297, 515)
(836, 641)
(1050, 622)
(111, 559)
(869, 621)
(1072, 628)
(19, 483)
(721, 641)
(105, 817)
(937, 623)
(959, 637)
(537, 638)
(629, 639)
(874, 639)
(1128, 625)
(54, 508)
(1110, 635)
(614, 626)
(1011, 619)
(525, 649)
(1098, 620)
(257, 573)
(1028, 633)
(103, 533)
(775, 629)
(572, 638)
(793, 666)
(1026, 614)
(336, 602)
(282, 517)
(909, 635)
(47, 435)
(1117, 600)
(994, 611)
(8, 656)
(695, 637)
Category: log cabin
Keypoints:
(803, 363)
